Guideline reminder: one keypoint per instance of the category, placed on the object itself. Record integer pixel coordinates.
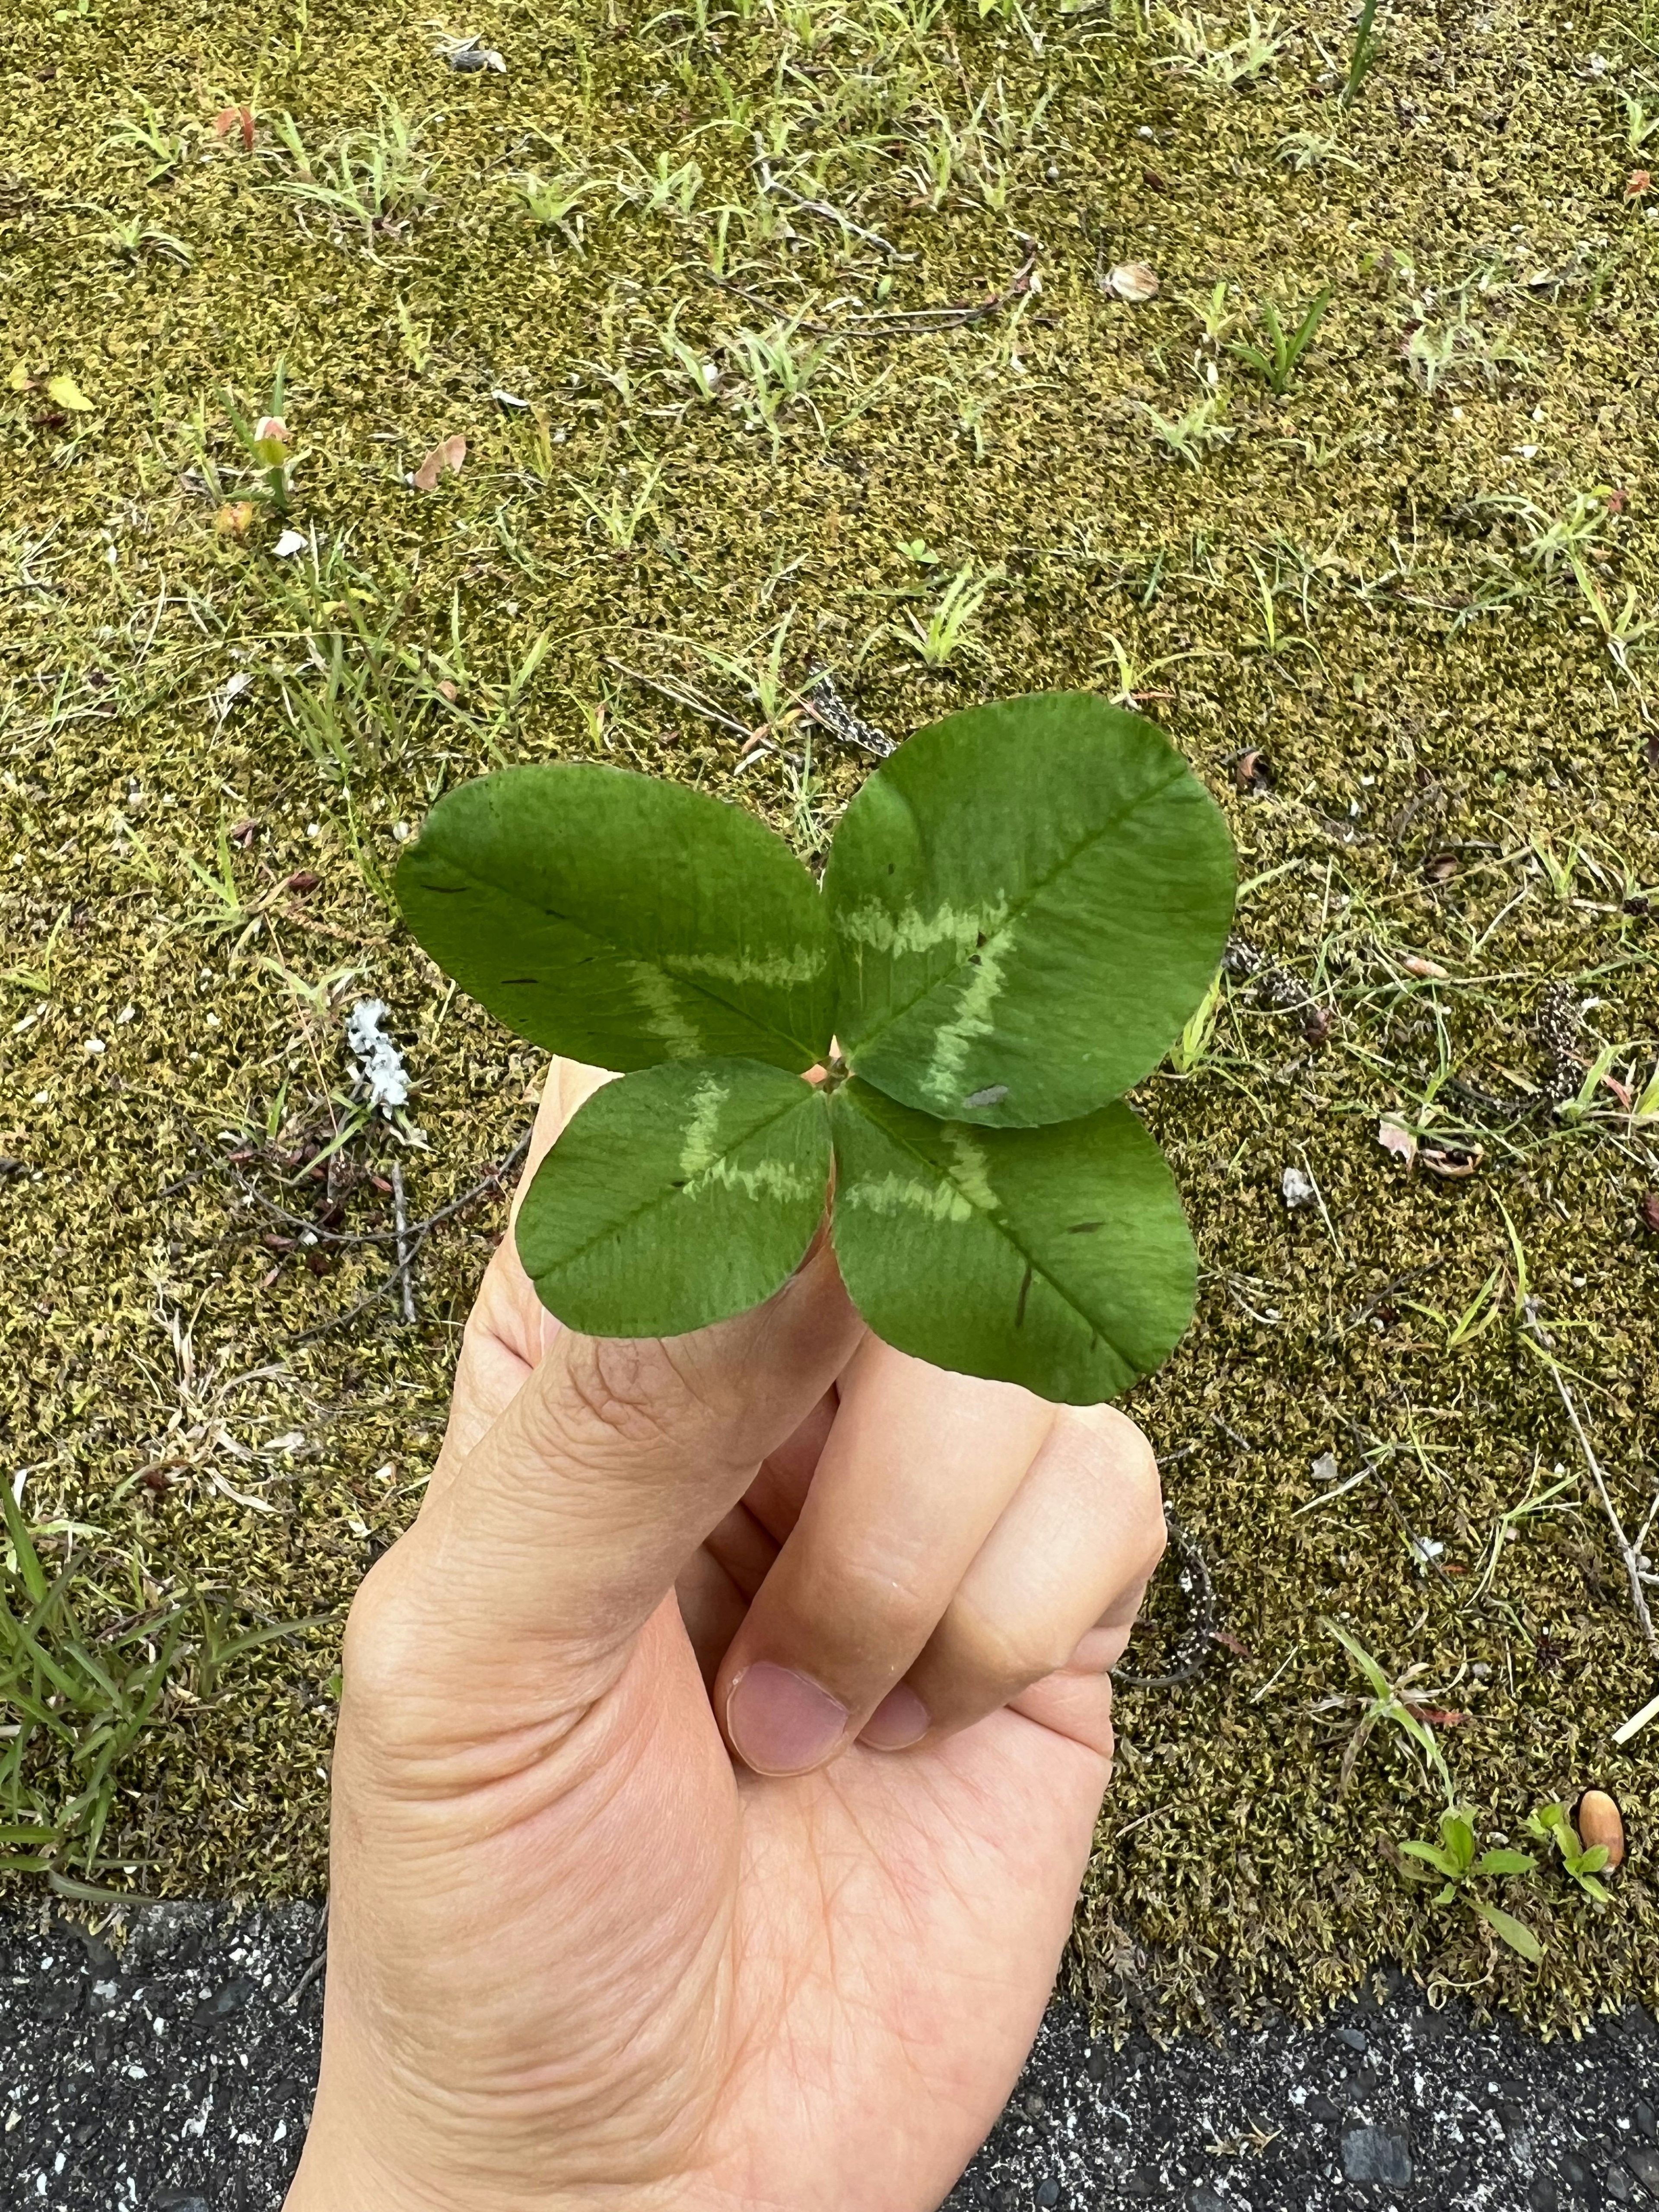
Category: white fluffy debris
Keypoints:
(1297, 1189)
(377, 1060)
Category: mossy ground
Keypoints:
(1403, 583)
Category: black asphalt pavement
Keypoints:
(176, 2074)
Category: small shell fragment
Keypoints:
(1133, 281)
(1451, 1163)
(1598, 1820)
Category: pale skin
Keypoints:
(718, 1760)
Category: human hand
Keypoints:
(581, 1954)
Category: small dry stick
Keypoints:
(1637, 1721)
(1626, 1551)
(400, 1214)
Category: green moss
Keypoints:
(1429, 689)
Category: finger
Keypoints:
(717, 1582)
(509, 1324)
(562, 1530)
(1056, 1585)
(914, 1475)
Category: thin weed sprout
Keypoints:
(1641, 122)
(1509, 1525)
(1303, 150)
(225, 912)
(810, 826)
(535, 447)
(265, 442)
(1202, 430)
(1214, 316)
(1387, 1706)
(691, 362)
(1191, 1048)
(1429, 353)
(945, 633)
(37, 977)
(1365, 54)
(165, 150)
(1132, 678)
(778, 365)
(414, 339)
(664, 190)
(1438, 346)
(621, 512)
(758, 673)
(132, 236)
(554, 202)
(1273, 640)
(1276, 360)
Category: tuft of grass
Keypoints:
(1205, 52)
(85, 1672)
(372, 180)
(1203, 429)
(152, 141)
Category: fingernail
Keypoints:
(779, 1723)
(900, 1720)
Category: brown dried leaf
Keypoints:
(1441, 867)
(1395, 1137)
(239, 119)
(447, 453)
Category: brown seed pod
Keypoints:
(1599, 1820)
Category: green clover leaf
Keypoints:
(1021, 907)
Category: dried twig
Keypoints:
(347, 1237)
(1534, 1331)
(771, 183)
(317, 1962)
(918, 322)
(416, 1235)
(686, 699)
(404, 1257)
(1187, 1660)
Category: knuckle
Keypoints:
(874, 1610)
(1126, 1460)
(379, 1652)
(1010, 1655)
(1151, 1534)
(619, 1389)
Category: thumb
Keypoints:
(565, 1526)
